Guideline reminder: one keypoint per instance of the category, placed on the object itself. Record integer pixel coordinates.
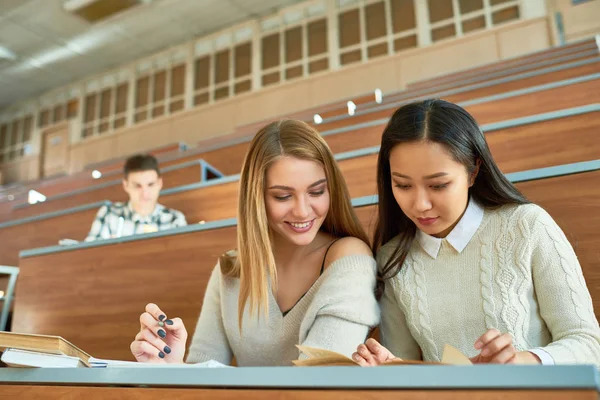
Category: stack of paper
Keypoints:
(26, 358)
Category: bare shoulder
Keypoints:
(347, 246)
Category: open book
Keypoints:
(320, 357)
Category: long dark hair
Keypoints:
(452, 126)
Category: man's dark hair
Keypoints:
(141, 162)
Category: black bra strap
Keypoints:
(325, 256)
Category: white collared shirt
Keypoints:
(459, 238)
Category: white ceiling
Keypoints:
(55, 48)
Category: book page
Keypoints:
(453, 356)
(321, 357)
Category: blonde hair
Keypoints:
(254, 243)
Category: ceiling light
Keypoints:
(6, 54)
(202, 222)
(317, 119)
(11, 197)
(96, 174)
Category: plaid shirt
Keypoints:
(119, 219)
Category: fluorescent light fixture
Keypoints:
(6, 54)
(351, 107)
(35, 197)
(96, 174)
(378, 96)
(317, 118)
(73, 5)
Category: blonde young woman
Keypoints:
(302, 274)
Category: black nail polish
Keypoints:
(162, 333)
(161, 354)
(167, 350)
(161, 317)
(169, 322)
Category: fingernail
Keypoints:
(485, 352)
(167, 350)
(169, 322)
(355, 356)
(161, 324)
(477, 344)
(161, 317)
(162, 333)
(161, 354)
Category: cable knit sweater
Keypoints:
(518, 274)
(335, 314)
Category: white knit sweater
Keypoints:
(518, 274)
(335, 314)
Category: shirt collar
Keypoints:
(460, 236)
(135, 217)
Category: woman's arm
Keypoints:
(564, 300)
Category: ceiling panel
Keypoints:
(55, 47)
(21, 40)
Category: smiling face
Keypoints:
(431, 188)
(296, 199)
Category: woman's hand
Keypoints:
(497, 348)
(160, 340)
(372, 353)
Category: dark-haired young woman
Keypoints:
(466, 259)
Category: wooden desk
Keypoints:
(465, 90)
(69, 224)
(117, 164)
(485, 382)
(551, 54)
(229, 159)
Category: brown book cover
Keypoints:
(320, 357)
(42, 344)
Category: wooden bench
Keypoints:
(44, 231)
(543, 144)
(116, 164)
(229, 158)
(478, 93)
(65, 183)
(339, 107)
(581, 49)
(535, 58)
(531, 146)
(484, 87)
